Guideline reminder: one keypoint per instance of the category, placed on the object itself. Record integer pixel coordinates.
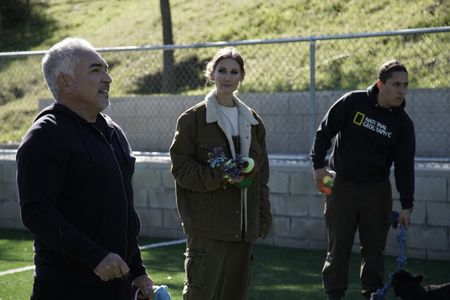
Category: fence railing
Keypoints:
(291, 82)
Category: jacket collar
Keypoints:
(212, 109)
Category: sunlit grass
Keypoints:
(277, 273)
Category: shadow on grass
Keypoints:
(286, 273)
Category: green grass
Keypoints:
(277, 273)
(281, 68)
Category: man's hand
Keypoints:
(405, 217)
(319, 174)
(145, 285)
(111, 267)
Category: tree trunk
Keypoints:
(168, 81)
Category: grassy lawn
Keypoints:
(277, 273)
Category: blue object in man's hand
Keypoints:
(393, 218)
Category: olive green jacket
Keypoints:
(206, 208)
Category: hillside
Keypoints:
(110, 23)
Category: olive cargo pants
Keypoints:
(362, 206)
(216, 270)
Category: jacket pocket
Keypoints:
(195, 268)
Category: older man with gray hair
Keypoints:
(74, 175)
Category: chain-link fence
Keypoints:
(290, 82)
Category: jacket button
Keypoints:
(236, 236)
(237, 211)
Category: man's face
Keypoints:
(90, 90)
(392, 92)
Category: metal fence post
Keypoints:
(312, 89)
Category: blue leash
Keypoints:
(401, 258)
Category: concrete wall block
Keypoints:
(419, 214)
(430, 143)
(290, 243)
(302, 183)
(162, 198)
(150, 218)
(391, 240)
(281, 227)
(434, 238)
(448, 185)
(295, 99)
(289, 206)
(8, 172)
(316, 206)
(416, 253)
(318, 245)
(438, 214)
(438, 255)
(295, 202)
(11, 223)
(431, 188)
(147, 177)
(168, 181)
(280, 106)
(289, 123)
(171, 220)
(10, 210)
(140, 197)
(8, 192)
(165, 233)
(276, 142)
(309, 229)
(279, 182)
(391, 251)
(298, 141)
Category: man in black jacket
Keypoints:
(372, 132)
(74, 175)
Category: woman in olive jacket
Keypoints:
(220, 219)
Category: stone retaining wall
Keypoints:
(297, 207)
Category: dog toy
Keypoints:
(327, 184)
(401, 258)
(160, 292)
(232, 168)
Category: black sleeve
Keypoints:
(41, 166)
(404, 165)
(137, 267)
(331, 124)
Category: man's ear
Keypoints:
(65, 83)
(379, 84)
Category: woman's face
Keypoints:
(227, 76)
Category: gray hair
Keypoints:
(61, 58)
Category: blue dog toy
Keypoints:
(401, 259)
(160, 292)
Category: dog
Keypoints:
(409, 287)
